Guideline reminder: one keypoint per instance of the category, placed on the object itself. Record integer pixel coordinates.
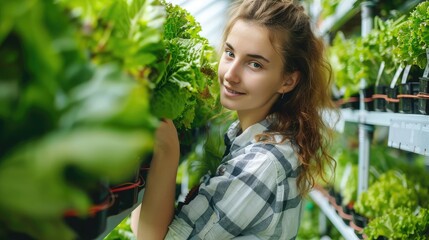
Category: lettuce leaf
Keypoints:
(190, 64)
(392, 190)
(169, 101)
(400, 223)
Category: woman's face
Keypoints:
(250, 71)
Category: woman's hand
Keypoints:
(156, 212)
(166, 142)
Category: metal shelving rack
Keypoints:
(345, 11)
(329, 211)
(406, 131)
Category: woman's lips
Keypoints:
(232, 92)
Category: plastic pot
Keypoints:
(368, 100)
(423, 105)
(125, 194)
(379, 97)
(144, 170)
(392, 99)
(359, 220)
(408, 102)
(331, 198)
(94, 223)
(338, 199)
(351, 102)
(346, 214)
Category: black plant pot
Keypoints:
(351, 102)
(338, 199)
(368, 100)
(94, 223)
(125, 194)
(359, 220)
(379, 97)
(408, 102)
(392, 99)
(346, 214)
(144, 170)
(423, 105)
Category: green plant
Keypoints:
(340, 55)
(77, 87)
(208, 151)
(381, 41)
(186, 90)
(413, 37)
(360, 57)
(400, 223)
(62, 115)
(392, 190)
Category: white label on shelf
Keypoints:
(410, 136)
(396, 77)
(405, 75)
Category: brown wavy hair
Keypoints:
(298, 115)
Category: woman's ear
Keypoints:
(289, 82)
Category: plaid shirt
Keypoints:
(253, 195)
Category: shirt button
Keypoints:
(221, 170)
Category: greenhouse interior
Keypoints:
(84, 86)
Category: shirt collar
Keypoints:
(248, 135)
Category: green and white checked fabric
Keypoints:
(253, 194)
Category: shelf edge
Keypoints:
(346, 231)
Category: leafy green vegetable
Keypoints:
(128, 33)
(339, 56)
(399, 41)
(413, 37)
(77, 85)
(208, 150)
(400, 223)
(190, 64)
(169, 101)
(392, 190)
(65, 106)
(380, 43)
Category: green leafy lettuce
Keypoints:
(413, 37)
(190, 64)
(392, 190)
(70, 107)
(400, 223)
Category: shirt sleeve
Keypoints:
(240, 196)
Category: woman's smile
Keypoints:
(229, 92)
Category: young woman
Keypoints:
(273, 73)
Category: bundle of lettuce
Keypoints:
(185, 87)
(82, 86)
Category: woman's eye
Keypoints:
(255, 65)
(229, 53)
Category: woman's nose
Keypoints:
(232, 75)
